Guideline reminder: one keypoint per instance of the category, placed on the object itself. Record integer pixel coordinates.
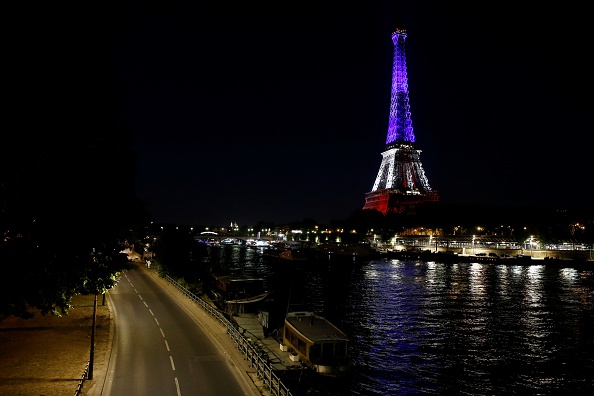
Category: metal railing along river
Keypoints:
(256, 357)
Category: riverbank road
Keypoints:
(164, 344)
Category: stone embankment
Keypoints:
(572, 259)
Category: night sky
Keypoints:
(280, 114)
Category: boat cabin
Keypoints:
(236, 294)
(317, 342)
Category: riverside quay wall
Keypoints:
(469, 245)
(520, 259)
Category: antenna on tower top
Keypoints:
(398, 20)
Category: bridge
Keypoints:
(215, 237)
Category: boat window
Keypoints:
(291, 337)
(301, 346)
(341, 349)
(315, 352)
(334, 349)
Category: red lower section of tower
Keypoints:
(394, 201)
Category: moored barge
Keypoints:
(315, 341)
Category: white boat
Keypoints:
(316, 342)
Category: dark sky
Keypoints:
(280, 115)
(261, 114)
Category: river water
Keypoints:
(419, 328)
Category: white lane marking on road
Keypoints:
(140, 297)
(145, 304)
(151, 312)
(167, 346)
(172, 365)
(157, 322)
(163, 334)
(177, 387)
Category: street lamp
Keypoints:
(92, 352)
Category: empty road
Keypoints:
(160, 348)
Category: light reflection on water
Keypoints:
(427, 328)
(467, 328)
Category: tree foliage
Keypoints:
(177, 252)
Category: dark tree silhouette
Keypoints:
(177, 252)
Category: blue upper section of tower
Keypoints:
(400, 124)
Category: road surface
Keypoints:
(160, 348)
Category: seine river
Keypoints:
(443, 329)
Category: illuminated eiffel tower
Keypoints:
(401, 183)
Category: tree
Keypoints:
(364, 220)
(177, 252)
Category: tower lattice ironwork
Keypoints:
(401, 183)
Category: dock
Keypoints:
(279, 360)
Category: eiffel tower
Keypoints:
(401, 183)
